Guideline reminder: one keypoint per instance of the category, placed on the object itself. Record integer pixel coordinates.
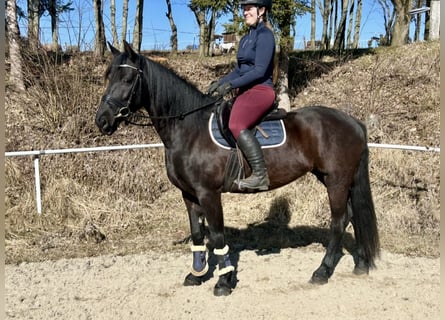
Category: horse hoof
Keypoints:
(317, 279)
(360, 271)
(192, 280)
(222, 290)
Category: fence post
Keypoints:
(37, 180)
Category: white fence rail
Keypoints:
(37, 153)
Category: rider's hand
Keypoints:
(212, 87)
(224, 89)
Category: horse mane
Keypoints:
(167, 88)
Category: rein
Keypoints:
(126, 113)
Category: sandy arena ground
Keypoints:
(270, 286)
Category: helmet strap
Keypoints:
(260, 16)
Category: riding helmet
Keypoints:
(259, 3)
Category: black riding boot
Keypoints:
(252, 150)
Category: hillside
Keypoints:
(126, 196)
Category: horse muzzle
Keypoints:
(106, 120)
(105, 127)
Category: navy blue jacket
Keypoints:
(255, 59)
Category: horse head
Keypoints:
(123, 94)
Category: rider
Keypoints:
(252, 79)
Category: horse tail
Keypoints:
(364, 218)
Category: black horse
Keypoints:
(324, 141)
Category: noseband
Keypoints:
(124, 108)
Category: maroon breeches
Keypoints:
(249, 107)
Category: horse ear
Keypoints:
(114, 51)
(129, 50)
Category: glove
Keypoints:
(224, 89)
(212, 87)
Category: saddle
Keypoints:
(270, 132)
(270, 126)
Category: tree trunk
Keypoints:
(33, 23)
(339, 41)
(138, 21)
(174, 35)
(350, 25)
(358, 19)
(282, 85)
(389, 15)
(332, 21)
(434, 20)
(210, 34)
(15, 74)
(54, 18)
(401, 25)
(325, 14)
(202, 34)
(113, 23)
(313, 24)
(418, 21)
(200, 19)
(124, 23)
(99, 38)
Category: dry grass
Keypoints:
(122, 202)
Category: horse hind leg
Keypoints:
(338, 198)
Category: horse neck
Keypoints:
(170, 96)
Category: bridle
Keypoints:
(125, 112)
(124, 108)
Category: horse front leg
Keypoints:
(199, 266)
(215, 219)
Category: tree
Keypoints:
(325, 10)
(350, 24)
(138, 22)
(401, 25)
(433, 33)
(389, 15)
(283, 15)
(33, 22)
(313, 23)
(206, 13)
(236, 24)
(113, 23)
(55, 8)
(333, 21)
(358, 19)
(124, 23)
(174, 35)
(339, 40)
(99, 39)
(200, 16)
(76, 27)
(417, 20)
(341, 23)
(329, 13)
(15, 74)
